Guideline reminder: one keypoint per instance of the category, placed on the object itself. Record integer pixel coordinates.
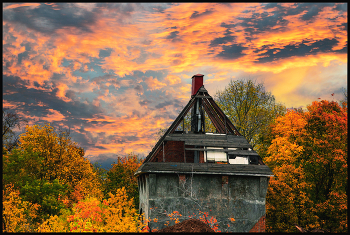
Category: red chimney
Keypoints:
(197, 82)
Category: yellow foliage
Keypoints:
(117, 214)
(16, 213)
(63, 160)
(53, 224)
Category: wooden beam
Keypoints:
(176, 123)
(170, 129)
(215, 115)
(212, 117)
(207, 137)
(230, 151)
(218, 144)
(220, 116)
(217, 108)
(203, 96)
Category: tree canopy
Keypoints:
(250, 108)
(61, 158)
(122, 175)
(46, 168)
(10, 120)
(308, 156)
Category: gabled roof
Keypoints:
(231, 138)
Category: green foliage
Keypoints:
(21, 166)
(122, 175)
(46, 194)
(100, 172)
(47, 169)
(250, 108)
(47, 177)
(23, 169)
(60, 158)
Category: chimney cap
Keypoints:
(197, 75)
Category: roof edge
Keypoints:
(204, 168)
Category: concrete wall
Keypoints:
(222, 196)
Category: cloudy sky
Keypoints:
(115, 73)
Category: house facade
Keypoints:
(192, 171)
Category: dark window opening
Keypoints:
(253, 160)
(231, 156)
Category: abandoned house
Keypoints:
(203, 164)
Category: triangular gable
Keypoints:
(221, 122)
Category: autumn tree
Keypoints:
(122, 175)
(47, 168)
(10, 121)
(22, 170)
(17, 214)
(250, 108)
(115, 214)
(308, 156)
(286, 203)
(325, 162)
(101, 174)
(61, 158)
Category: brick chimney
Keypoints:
(197, 115)
(197, 82)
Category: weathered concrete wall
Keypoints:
(222, 196)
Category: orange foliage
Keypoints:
(308, 156)
(212, 221)
(203, 216)
(117, 214)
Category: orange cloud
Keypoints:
(118, 129)
(217, 77)
(31, 5)
(222, 41)
(11, 104)
(172, 79)
(61, 93)
(54, 115)
(154, 84)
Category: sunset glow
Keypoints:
(115, 73)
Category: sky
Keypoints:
(115, 73)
